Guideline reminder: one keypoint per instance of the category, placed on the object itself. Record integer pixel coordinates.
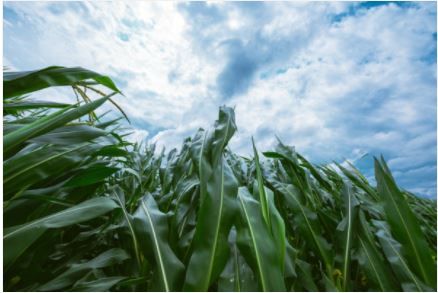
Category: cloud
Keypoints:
(334, 79)
(249, 36)
(235, 78)
(138, 135)
(136, 45)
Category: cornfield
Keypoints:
(84, 209)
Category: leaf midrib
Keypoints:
(45, 219)
(402, 260)
(425, 276)
(310, 228)
(157, 247)
(42, 162)
(210, 267)
(372, 265)
(134, 237)
(346, 255)
(255, 245)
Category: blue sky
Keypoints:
(336, 79)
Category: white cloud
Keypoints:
(329, 78)
(88, 34)
(138, 135)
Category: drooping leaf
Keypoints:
(46, 124)
(20, 83)
(108, 258)
(17, 239)
(68, 135)
(19, 106)
(24, 170)
(94, 174)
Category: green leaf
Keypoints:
(270, 213)
(17, 239)
(237, 276)
(69, 135)
(37, 166)
(308, 224)
(319, 176)
(210, 250)
(393, 251)
(404, 226)
(108, 258)
(151, 228)
(347, 228)
(372, 261)
(14, 108)
(305, 278)
(358, 180)
(262, 194)
(224, 129)
(277, 228)
(46, 124)
(91, 175)
(257, 244)
(99, 285)
(295, 172)
(119, 196)
(20, 83)
(218, 189)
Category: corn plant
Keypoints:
(85, 210)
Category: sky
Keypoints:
(337, 80)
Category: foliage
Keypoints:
(85, 210)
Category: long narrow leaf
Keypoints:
(258, 245)
(20, 83)
(151, 227)
(48, 123)
(347, 226)
(404, 226)
(17, 239)
(218, 190)
(69, 277)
